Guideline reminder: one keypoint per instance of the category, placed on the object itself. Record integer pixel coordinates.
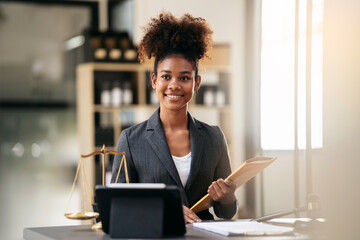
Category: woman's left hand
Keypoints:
(222, 191)
(190, 216)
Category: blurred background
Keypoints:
(284, 81)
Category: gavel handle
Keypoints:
(276, 215)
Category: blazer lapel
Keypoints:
(157, 140)
(197, 140)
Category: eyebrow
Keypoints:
(168, 71)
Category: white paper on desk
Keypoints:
(288, 220)
(231, 228)
(292, 220)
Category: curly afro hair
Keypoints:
(165, 35)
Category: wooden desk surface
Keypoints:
(81, 232)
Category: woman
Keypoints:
(172, 147)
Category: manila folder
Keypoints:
(244, 173)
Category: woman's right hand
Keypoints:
(190, 216)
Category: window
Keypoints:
(288, 62)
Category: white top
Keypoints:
(183, 165)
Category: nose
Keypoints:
(174, 84)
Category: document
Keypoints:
(243, 228)
(244, 173)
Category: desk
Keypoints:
(82, 232)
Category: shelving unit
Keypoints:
(92, 115)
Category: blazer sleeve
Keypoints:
(223, 170)
(123, 146)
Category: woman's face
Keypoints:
(175, 82)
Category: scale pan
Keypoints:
(82, 215)
(97, 226)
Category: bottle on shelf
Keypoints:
(127, 94)
(105, 97)
(127, 118)
(209, 96)
(129, 51)
(113, 52)
(130, 55)
(116, 94)
(220, 97)
(105, 119)
(99, 50)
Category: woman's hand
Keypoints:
(190, 216)
(222, 191)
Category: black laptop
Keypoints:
(138, 210)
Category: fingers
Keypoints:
(230, 184)
(222, 191)
(222, 187)
(190, 216)
(215, 191)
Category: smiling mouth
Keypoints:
(173, 96)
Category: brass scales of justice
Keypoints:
(87, 213)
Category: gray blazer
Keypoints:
(149, 160)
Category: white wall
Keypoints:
(336, 167)
(225, 17)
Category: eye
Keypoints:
(165, 77)
(184, 78)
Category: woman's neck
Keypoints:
(174, 120)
